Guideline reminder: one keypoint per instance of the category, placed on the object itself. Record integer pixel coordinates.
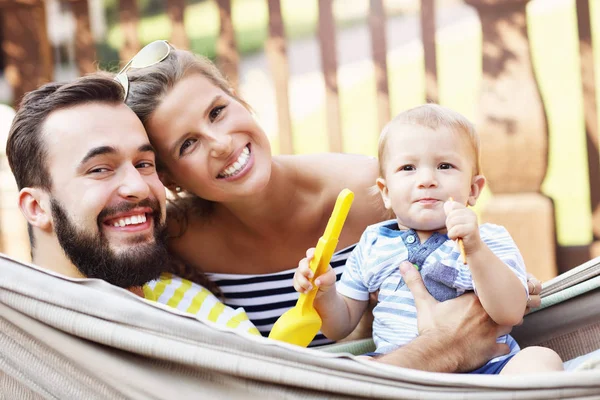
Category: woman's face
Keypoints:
(210, 143)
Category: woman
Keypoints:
(242, 216)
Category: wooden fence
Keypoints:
(513, 128)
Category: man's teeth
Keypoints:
(238, 165)
(133, 220)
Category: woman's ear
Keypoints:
(168, 182)
(35, 206)
(477, 185)
(383, 190)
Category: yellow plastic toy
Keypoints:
(300, 324)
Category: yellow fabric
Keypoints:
(192, 298)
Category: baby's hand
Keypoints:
(303, 276)
(462, 223)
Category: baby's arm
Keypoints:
(500, 290)
(339, 313)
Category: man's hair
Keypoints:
(432, 116)
(25, 149)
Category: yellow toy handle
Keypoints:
(328, 242)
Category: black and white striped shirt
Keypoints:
(266, 297)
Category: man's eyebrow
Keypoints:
(146, 148)
(97, 151)
(102, 150)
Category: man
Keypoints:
(96, 208)
(91, 196)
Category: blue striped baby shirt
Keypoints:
(374, 265)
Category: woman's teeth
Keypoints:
(133, 220)
(238, 165)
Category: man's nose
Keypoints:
(133, 185)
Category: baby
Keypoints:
(429, 175)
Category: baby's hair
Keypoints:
(432, 116)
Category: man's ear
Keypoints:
(383, 190)
(35, 206)
(477, 185)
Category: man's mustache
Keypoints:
(128, 206)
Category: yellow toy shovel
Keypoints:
(300, 324)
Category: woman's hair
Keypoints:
(432, 116)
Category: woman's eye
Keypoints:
(445, 166)
(185, 145)
(215, 112)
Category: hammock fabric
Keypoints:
(67, 338)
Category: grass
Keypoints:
(250, 19)
(553, 36)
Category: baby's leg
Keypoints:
(533, 359)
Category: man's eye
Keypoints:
(145, 164)
(98, 170)
(445, 166)
(185, 145)
(215, 112)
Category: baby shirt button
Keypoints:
(410, 239)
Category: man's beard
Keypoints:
(90, 252)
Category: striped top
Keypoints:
(192, 298)
(373, 266)
(266, 297)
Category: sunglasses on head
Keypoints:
(150, 54)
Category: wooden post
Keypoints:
(85, 48)
(329, 64)
(228, 58)
(25, 45)
(429, 50)
(176, 11)
(277, 55)
(514, 135)
(377, 24)
(588, 81)
(128, 20)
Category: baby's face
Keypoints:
(423, 169)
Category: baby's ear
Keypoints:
(477, 185)
(383, 190)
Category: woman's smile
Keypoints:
(239, 167)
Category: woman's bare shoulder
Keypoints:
(343, 168)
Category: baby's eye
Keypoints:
(407, 168)
(185, 145)
(215, 112)
(445, 166)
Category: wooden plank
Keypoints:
(278, 60)
(26, 48)
(176, 11)
(569, 257)
(85, 47)
(329, 65)
(377, 25)
(588, 80)
(228, 58)
(128, 21)
(429, 50)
